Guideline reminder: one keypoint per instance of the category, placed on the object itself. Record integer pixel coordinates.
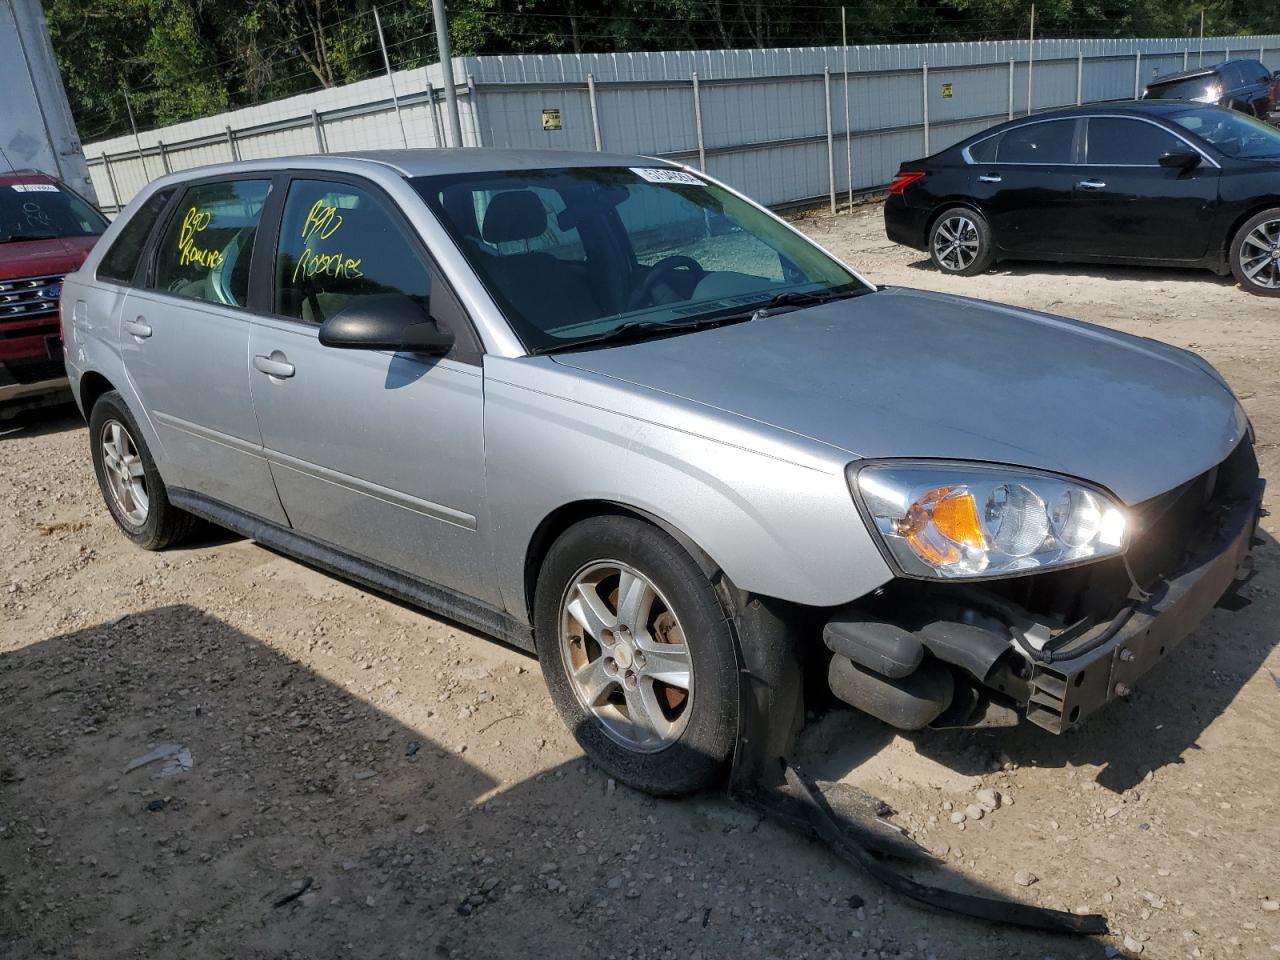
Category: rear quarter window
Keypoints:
(120, 263)
(984, 151)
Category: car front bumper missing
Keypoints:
(1069, 688)
(1054, 647)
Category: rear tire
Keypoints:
(649, 689)
(960, 242)
(127, 476)
(1255, 254)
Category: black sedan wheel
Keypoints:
(1255, 254)
(960, 242)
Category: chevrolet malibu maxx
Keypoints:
(611, 411)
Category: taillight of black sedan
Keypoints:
(1149, 182)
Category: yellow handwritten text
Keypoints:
(336, 265)
(322, 221)
(193, 223)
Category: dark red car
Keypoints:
(46, 231)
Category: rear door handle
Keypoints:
(1091, 185)
(991, 178)
(274, 366)
(138, 328)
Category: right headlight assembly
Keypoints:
(952, 521)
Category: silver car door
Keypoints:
(378, 453)
(185, 342)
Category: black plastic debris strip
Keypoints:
(804, 805)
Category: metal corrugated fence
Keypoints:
(769, 122)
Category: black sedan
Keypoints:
(1151, 182)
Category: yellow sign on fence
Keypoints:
(551, 119)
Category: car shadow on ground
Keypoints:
(1156, 726)
(308, 821)
(42, 421)
(1032, 269)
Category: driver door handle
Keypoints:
(274, 365)
(991, 178)
(138, 328)
(1091, 185)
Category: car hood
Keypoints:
(38, 258)
(905, 373)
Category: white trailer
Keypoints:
(37, 131)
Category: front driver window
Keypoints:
(338, 242)
(1115, 141)
(207, 246)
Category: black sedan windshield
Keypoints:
(573, 254)
(1238, 136)
(42, 211)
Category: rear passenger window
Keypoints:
(120, 262)
(206, 248)
(1128, 143)
(1051, 141)
(338, 243)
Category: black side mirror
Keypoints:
(1184, 160)
(388, 321)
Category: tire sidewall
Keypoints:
(111, 406)
(985, 257)
(701, 754)
(1237, 246)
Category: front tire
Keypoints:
(1255, 254)
(127, 476)
(960, 242)
(638, 655)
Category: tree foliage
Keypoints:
(181, 59)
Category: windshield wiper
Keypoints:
(634, 330)
(802, 298)
(25, 236)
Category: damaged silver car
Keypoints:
(611, 411)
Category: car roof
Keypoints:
(425, 162)
(434, 161)
(1198, 71)
(1138, 108)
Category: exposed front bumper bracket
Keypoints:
(1067, 690)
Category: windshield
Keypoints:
(42, 211)
(1238, 136)
(1205, 87)
(573, 254)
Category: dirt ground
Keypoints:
(413, 782)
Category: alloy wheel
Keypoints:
(1260, 255)
(956, 242)
(626, 655)
(126, 477)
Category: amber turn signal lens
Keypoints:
(940, 522)
(956, 517)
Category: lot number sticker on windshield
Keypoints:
(666, 175)
(34, 187)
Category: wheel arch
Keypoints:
(92, 385)
(1233, 230)
(950, 203)
(565, 516)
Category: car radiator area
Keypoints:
(1057, 646)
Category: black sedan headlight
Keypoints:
(952, 521)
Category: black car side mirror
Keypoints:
(388, 321)
(1184, 160)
